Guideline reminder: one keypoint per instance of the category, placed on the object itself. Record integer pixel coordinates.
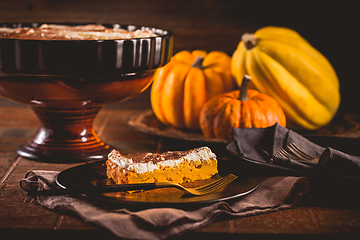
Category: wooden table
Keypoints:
(21, 214)
(207, 25)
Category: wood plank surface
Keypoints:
(22, 213)
(202, 24)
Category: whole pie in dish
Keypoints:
(172, 166)
(77, 32)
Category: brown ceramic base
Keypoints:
(44, 153)
(66, 134)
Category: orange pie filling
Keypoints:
(78, 32)
(172, 166)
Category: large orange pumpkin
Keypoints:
(240, 108)
(182, 87)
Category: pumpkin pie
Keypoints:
(77, 32)
(172, 166)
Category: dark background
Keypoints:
(330, 26)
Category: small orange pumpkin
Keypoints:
(182, 87)
(240, 108)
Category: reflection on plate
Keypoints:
(95, 174)
(145, 121)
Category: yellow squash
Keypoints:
(182, 87)
(286, 67)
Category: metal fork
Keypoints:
(302, 154)
(292, 151)
(202, 190)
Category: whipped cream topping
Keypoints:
(146, 162)
(80, 32)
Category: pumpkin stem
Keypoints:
(198, 62)
(249, 40)
(244, 88)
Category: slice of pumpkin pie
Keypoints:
(172, 166)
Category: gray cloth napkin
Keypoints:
(262, 143)
(273, 194)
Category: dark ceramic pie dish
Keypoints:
(67, 82)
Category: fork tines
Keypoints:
(217, 184)
(293, 152)
(299, 152)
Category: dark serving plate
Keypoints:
(94, 174)
(146, 121)
(241, 163)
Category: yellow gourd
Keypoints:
(285, 66)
